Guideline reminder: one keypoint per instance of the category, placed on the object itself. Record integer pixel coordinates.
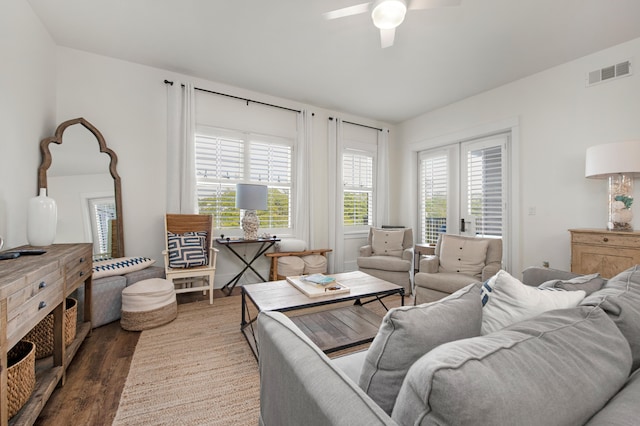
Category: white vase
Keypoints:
(42, 219)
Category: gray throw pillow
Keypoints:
(558, 368)
(588, 283)
(408, 332)
(620, 299)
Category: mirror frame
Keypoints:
(46, 163)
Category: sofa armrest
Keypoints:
(299, 384)
(366, 251)
(490, 270)
(536, 275)
(429, 264)
(407, 254)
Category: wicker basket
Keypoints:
(42, 333)
(21, 375)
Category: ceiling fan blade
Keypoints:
(430, 4)
(347, 11)
(387, 37)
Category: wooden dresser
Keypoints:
(31, 287)
(606, 252)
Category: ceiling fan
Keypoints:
(388, 14)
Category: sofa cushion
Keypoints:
(387, 242)
(463, 255)
(506, 301)
(446, 282)
(620, 299)
(623, 409)
(385, 263)
(588, 283)
(408, 332)
(559, 368)
(120, 266)
(299, 385)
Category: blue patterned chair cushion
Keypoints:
(187, 250)
(120, 266)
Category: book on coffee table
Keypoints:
(317, 290)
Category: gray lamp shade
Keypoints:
(613, 158)
(251, 197)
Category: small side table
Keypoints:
(265, 244)
(421, 250)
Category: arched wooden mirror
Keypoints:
(79, 172)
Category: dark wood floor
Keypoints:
(96, 376)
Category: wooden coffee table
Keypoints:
(332, 329)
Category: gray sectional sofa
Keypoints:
(430, 364)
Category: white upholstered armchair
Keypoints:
(457, 262)
(388, 255)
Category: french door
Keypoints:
(464, 190)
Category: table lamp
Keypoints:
(618, 162)
(250, 198)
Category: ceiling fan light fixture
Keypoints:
(388, 14)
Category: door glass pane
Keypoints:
(433, 196)
(484, 192)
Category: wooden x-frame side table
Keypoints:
(265, 244)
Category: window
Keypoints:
(226, 158)
(357, 172)
(103, 213)
(433, 195)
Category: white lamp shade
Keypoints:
(251, 197)
(613, 158)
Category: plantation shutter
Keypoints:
(270, 165)
(484, 181)
(357, 173)
(434, 172)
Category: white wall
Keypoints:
(559, 118)
(127, 103)
(27, 112)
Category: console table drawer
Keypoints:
(77, 269)
(37, 284)
(23, 318)
(607, 239)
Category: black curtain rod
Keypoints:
(361, 125)
(239, 98)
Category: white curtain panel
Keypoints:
(382, 179)
(336, 231)
(181, 157)
(303, 212)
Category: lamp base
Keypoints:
(250, 225)
(620, 200)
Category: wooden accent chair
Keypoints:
(184, 277)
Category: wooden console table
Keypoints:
(602, 251)
(31, 287)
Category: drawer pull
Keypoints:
(42, 305)
(42, 285)
(82, 259)
(605, 239)
(81, 273)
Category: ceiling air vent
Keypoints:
(609, 73)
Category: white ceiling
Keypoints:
(287, 49)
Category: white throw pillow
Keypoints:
(290, 245)
(387, 242)
(506, 301)
(463, 255)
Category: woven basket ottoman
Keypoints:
(148, 304)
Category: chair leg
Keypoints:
(210, 278)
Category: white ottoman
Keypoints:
(148, 304)
(314, 264)
(290, 266)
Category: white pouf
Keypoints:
(314, 264)
(148, 304)
(290, 266)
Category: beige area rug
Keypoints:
(199, 369)
(196, 370)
